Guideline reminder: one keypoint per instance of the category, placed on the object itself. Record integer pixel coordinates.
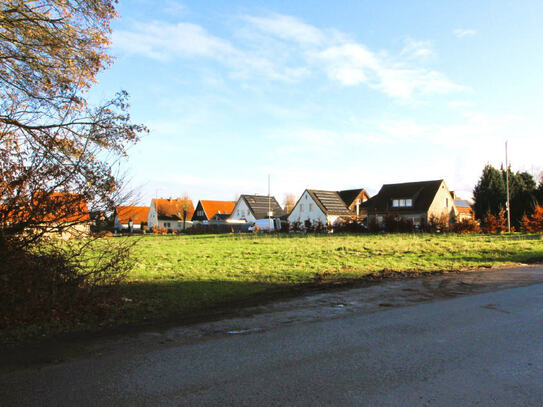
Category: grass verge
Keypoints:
(182, 277)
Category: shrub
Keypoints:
(533, 223)
(466, 226)
(437, 224)
(397, 224)
(494, 223)
(319, 227)
(296, 226)
(60, 283)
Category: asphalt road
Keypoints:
(477, 350)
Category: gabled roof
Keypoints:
(329, 202)
(211, 208)
(138, 214)
(259, 204)
(422, 193)
(52, 207)
(67, 207)
(349, 196)
(172, 209)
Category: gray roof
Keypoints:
(461, 203)
(422, 193)
(259, 204)
(330, 202)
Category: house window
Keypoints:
(166, 224)
(302, 207)
(402, 203)
(310, 207)
(446, 202)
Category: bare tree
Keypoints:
(288, 202)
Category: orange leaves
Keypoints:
(533, 223)
(495, 224)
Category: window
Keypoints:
(310, 207)
(302, 207)
(402, 203)
(446, 202)
(166, 224)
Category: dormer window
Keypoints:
(402, 203)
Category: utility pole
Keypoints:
(507, 189)
(269, 205)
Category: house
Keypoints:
(59, 214)
(215, 211)
(464, 210)
(131, 217)
(172, 214)
(315, 206)
(354, 198)
(414, 201)
(250, 208)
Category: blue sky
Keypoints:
(326, 95)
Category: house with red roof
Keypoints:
(61, 214)
(131, 217)
(214, 211)
(172, 214)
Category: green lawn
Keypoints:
(182, 275)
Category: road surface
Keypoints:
(480, 349)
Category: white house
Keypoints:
(173, 214)
(127, 217)
(250, 208)
(316, 206)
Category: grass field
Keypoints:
(183, 275)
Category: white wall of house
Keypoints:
(242, 211)
(121, 226)
(152, 220)
(306, 208)
(443, 203)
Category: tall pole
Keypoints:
(507, 189)
(269, 204)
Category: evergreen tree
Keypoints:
(489, 195)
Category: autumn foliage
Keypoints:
(495, 223)
(533, 223)
(54, 144)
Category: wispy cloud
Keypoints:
(163, 41)
(293, 50)
(417, 49)
(353, 64)
(287, 28)
(464, 32)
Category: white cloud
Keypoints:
(353, 64)
(464, 32)
(160, 40)
(343, 60)
(416, 49)
(287, 28)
